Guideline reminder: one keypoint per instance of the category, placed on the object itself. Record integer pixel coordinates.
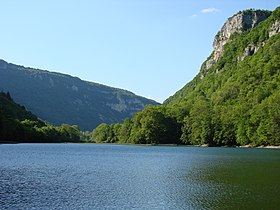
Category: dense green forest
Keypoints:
(19, 125)
(235, 102)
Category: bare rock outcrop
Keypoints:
(242, 21)
(238, 23)
(275, 28)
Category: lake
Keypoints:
(89, 176)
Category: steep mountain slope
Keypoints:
(234, 100)
(9, 109)
(246, 45)
(59, 98)
(19, 125)
(235, 97)
(11, 115)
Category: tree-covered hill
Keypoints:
(59, 98)
(234, 100)
(19, 125)
(10, 109)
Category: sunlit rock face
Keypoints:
(242, 21)
(238, 23)
(275, 28)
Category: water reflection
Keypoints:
(133, 177)
(240, 179)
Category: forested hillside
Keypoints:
(234, 100)
(19, 125)
(59, 98)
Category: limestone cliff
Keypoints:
(242, 21)
(238, 23)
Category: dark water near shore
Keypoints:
(86, 176)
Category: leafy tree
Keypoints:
(124, 131)
(155, 126)
(101, 133)
(199, 126)
(70, 132)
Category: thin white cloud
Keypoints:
(210, 10)
(193, 16)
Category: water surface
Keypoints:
(88, 176)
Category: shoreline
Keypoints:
(260, 147)
(183, 145)
(161, 145)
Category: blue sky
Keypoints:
(149, 47)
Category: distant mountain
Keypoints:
(59, 98)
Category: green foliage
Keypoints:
(153, 125)
(101, 133)
(19, 125)
(197, 128)
(107, 133)
(72, 133)
(125, 131)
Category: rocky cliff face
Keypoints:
(275, 28)
(239, 23)
(242, 21)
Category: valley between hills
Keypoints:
(233, 101)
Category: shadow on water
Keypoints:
(238, 179)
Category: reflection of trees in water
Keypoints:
(243, 181)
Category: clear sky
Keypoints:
(150, 47)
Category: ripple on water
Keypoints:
(130, 177)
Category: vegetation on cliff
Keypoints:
(233, 101)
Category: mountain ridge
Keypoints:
(60, 98)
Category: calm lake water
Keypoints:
(88, 176)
